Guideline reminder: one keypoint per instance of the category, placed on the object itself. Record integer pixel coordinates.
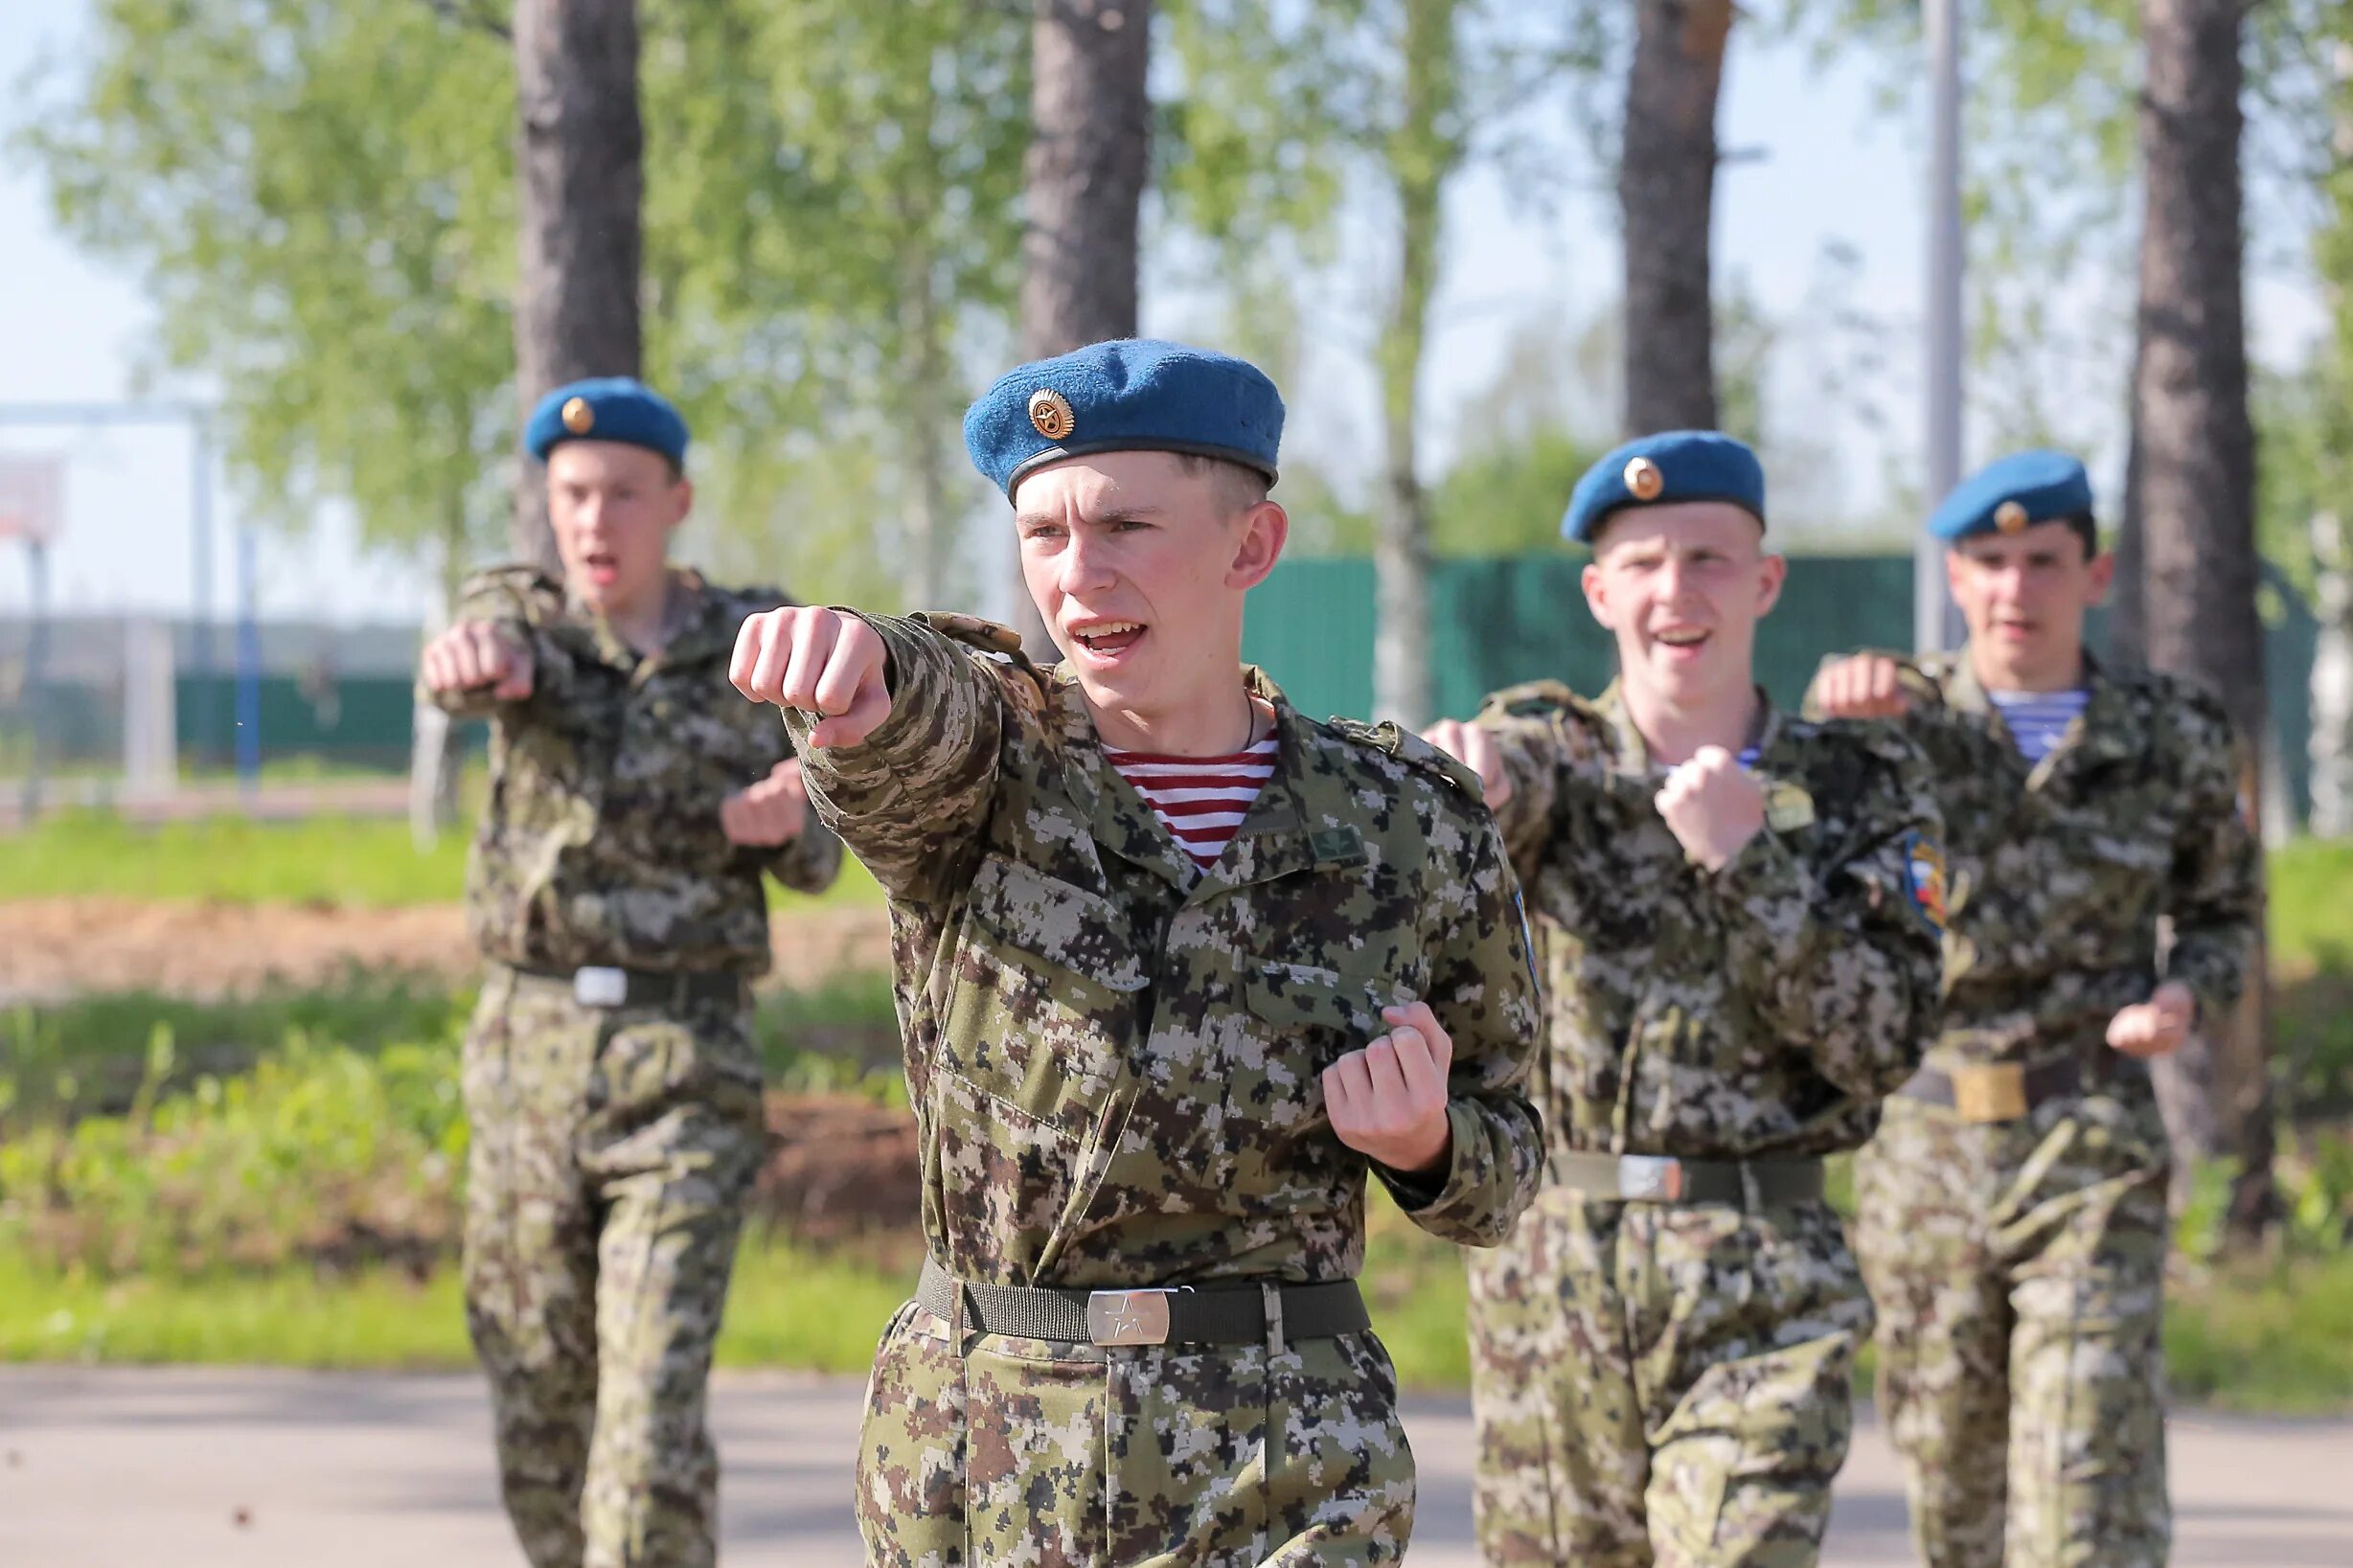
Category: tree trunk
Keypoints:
(1089, 151)
(1666, 201)
(1423, 150)
(579, 159)
(2198, 466)
(2127, 620)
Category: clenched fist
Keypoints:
(1387, 1102)
(1712, 805)
(825, 663)
(2158, 1027)
(769, 813)
(1476, 748)
(476, 653)
(1864, 685)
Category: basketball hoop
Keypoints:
(31, 496)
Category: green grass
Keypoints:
(2269, 1335)
(2308, 927)
(355, 863)
(789, 1309)
(361, 863)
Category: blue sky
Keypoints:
(1830, 170)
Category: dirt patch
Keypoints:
(51, 948)
(839, 1169)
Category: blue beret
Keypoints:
(1671, 466)
(1128, 395)
(607, 408)
(2015, 492)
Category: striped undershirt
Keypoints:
(1199, 800)
(2037, 719)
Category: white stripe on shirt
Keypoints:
(2039, 720)
(1199, 800)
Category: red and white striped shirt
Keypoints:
(1199, 800)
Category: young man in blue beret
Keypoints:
(611, 1077)
(2012, 1208)
(1741, 911)
(1180, 970)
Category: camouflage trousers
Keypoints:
(2019, 1269)
(1661, 1385)
(612, 1153)
(1008, 1450)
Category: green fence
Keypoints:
(1494, 622)
(1498, 622)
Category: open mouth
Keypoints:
(1108, 640)
(602, 566)
(1685, 640)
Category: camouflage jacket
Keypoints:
(1116, 1059)
(1764, 1009)
(2062, 868)
(601, 840)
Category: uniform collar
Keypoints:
(1274, 837)
(2100, 731)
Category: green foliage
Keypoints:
(2273, 1335)
(320, 1153)
(1507, 500)
(97, 1054)
(322, 199)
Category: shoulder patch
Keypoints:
(988, 636)
(1923, 879)
(1407, 746)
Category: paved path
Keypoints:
(239, 1470)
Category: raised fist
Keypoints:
(2158, 1027)
(1712, 805)
(828, 664)
(1474, 747)
(1387, 1102)
(771, 813)
(477, 654)
(1862, 686)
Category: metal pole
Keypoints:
(1932, 622)
(205, 720)
(248, 662)
(37, 678)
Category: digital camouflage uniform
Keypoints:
(1116, 1064)
(613, 1148)
(2019, 1264)
(1665, 1382)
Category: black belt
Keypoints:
(1224, 1313)
(1659, 1178)
(609, 985)
(2003, 1091)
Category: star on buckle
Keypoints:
(1650, 1178)
(1128, 1317)
(1991, 1092)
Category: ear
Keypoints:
(2103, 570)
(1258, 544)
(1772, 571)
(1596, 593)
(681, 500)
